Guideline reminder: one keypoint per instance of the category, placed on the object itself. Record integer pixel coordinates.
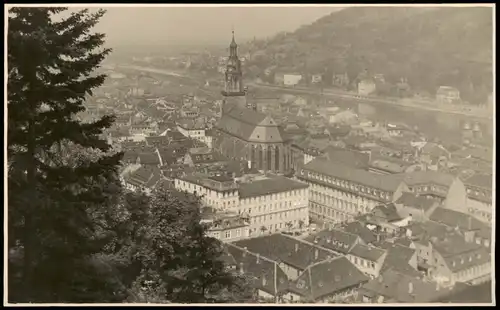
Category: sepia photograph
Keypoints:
(319, 154)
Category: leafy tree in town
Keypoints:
(55, 203)
(166, 254)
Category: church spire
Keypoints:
(233, 47)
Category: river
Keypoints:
(439, 124)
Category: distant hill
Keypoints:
(429, 47)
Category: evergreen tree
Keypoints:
(54, 203)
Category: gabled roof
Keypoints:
(367, 252)
(452, 218)
(327, 278)
(357, 228)
(386, 212)
(398, 258)
(434, 149)
(335, 240)
(459, 254)
(267, 276)
(414, 201)
(149, 158)
(350, 158)
(400, 288)
(144, 177)
(282, 248)
(250, 125)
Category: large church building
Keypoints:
(242, 132)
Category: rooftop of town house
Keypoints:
(327, 278)
(271, 184)
(388, 183)
(282, 248)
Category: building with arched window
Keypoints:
(243, 133)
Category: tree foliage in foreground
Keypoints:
(166, 255)
(52, 202)
(74, 235)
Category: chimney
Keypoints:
(241, 268)
(245, 251)
(296, 247)
(258, 258)
(410, 287)
(316, 253)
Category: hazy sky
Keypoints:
(205, 25)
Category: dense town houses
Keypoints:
(314, 202)
(479, 196)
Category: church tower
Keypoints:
(233, 82)
(234, 93)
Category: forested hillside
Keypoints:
(428, 46)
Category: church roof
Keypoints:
(250, 125)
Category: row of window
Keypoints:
(476, 270)
(277, 226)
(336, 216)
(337, 210)
(354, 207)
(336, 193)
(479, 193)
(483, 214)
(277, 196)
(362, 262)
(279, 216)
(277, 207)
(228, 234)
(427, 188)
(347, 184)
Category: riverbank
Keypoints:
(407, 103)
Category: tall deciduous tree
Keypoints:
(54, 204)
(167, 256)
